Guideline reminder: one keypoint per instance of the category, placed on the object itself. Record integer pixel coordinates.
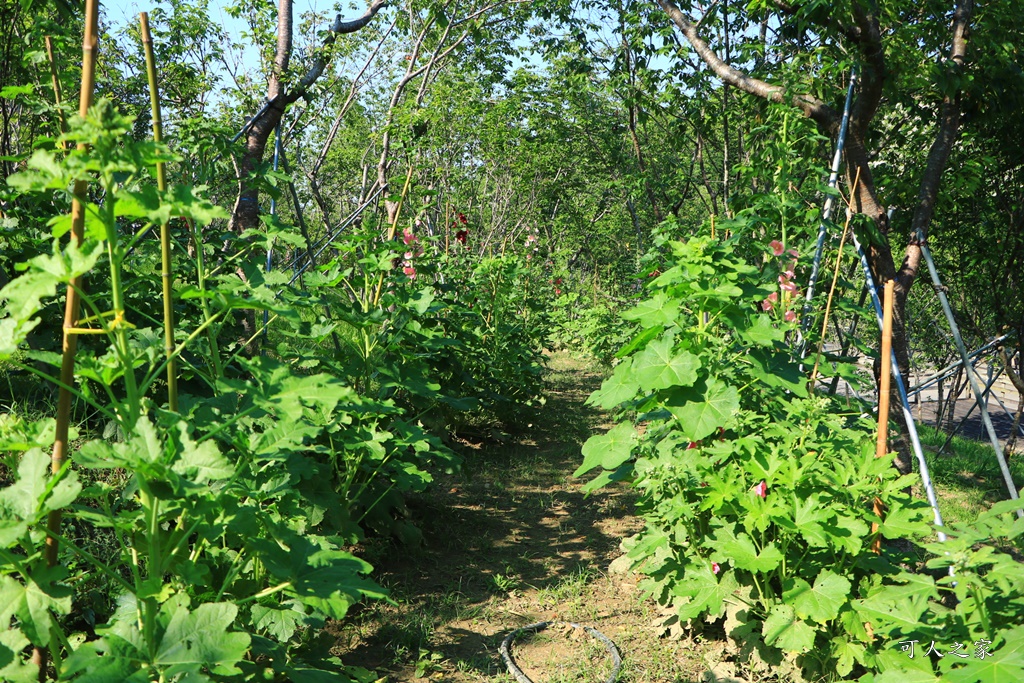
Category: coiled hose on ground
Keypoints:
(506, 654)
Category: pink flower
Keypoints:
(408, 254)
(777, 247)
(715, 568)
(761, 489)
(794, 253)
(557, 290)
(766, 305)
(408, 237)
(790, 316)
(410, 271)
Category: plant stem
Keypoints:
(165, 233)
(118, 326)
(204, 303)
(71, 306)
(58, 95)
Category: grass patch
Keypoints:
(512, 540)
(967, 477)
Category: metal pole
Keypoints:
(963, 421)
(251, 122)
(327, 242)
(882, 442)
(926, 478)
(826, 212)
(969, 367)
(951, 368)
(1008, 412)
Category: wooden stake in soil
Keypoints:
(882, 444)
(72, 303)
(165, 233)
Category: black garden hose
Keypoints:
(540, 626)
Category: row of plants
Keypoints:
(210, 538)
(757, 491)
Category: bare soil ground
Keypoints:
(509, 542)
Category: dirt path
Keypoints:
(511, 542)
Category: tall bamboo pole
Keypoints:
(882, 443)
(166, 273)
(58, 95)
(72, 303)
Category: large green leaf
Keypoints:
(326, 579)
(608, 450)
(777, 370)
(762, 332)
(621, 386)
(706, 591)
(739, 551)
(847, 653)
(13, 669)
(820, 602)
(999, 668)
(111, 659)
(660, 309)
(659, 367)
(279, 623)
(34, 603)
(784, 630)
(35, 492)
(201, 637)
(203, 462)
(904, 522)
(701, 414)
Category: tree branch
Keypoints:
(811, 106)
(868, 37)
(339, 27)
(938, 155)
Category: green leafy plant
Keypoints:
(757, 495)
(208, 534)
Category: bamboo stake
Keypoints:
(58, 95)
(165, 233)
(835, 279)
(72, 303)
(882, 444)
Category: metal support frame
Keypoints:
(950, 369)
(826, 212)
(970, 411)
(971, 373)
(897, 376)
(326, 240)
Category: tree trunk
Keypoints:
(866, 37)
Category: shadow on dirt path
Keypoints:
(511, 541)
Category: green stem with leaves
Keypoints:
(165, 234)
(71, 307)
